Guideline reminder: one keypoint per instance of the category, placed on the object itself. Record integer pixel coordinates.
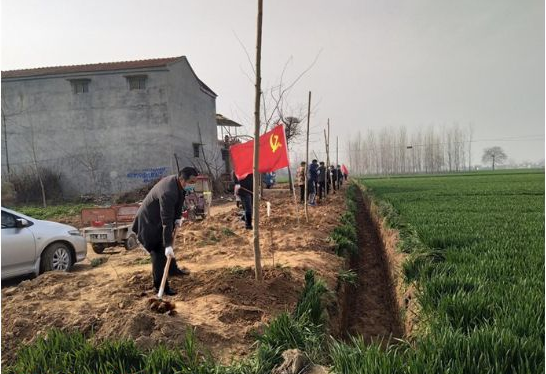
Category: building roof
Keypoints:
(224, 121)
(88, 68)
(104, 66)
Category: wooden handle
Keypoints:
(166, 271)
(164, 279)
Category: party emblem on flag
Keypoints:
(275, 144)
(270, 160)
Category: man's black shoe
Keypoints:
(177, 272)
(168, 291)
(248, 227)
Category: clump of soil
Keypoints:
(162, 306)
(220, 299)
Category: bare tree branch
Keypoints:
(246, 52)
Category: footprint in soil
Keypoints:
(236, 314)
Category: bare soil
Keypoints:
(219, 299)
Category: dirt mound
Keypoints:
(136, 194)
(220, 299)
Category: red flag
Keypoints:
(344, 169)
(273, 153)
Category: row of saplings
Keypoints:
(303, 329)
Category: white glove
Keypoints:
(236, 189)
(178, 222)
(169, 252)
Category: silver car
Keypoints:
(32, 246)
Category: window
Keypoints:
(80, 86)
(8, 221)
(196, 149)
(136, 82)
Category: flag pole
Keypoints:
(307, 159)
(256, 175)
(291, 181)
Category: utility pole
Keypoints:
(307, 159)
(328, 154)
(337, 163)
(337, 152)
(256, 174)
(326, 169)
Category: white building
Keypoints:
(108, 128)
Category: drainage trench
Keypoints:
(369, 308)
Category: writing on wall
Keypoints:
(148, 175)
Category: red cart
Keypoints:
(109, 226)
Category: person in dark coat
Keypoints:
(312, 182)
(314, 172)
(339, 176)
(321, 180)
(333, 173)
(157, 217)
(246, 195)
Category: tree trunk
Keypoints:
(307, 160)
(6, 141)
(290, 180)
(256, 187)
(43, 191)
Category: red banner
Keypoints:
(273, 153)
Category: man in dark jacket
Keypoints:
(321, 180)
(339, 176)
(312, 182)
(333, 173)
(157, 217)
(245, 192)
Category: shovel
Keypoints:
(159, 305)
(164, 279)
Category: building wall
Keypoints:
(190, 113)
(111, 139)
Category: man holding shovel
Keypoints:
(157, 217)
(245, 192)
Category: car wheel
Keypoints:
(131, 242)
(57, 256)
(98, 248)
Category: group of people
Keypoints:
(161, 211)
(320, 180)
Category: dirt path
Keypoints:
(372, 311)
(219, 299)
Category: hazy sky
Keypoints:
(382, 63)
